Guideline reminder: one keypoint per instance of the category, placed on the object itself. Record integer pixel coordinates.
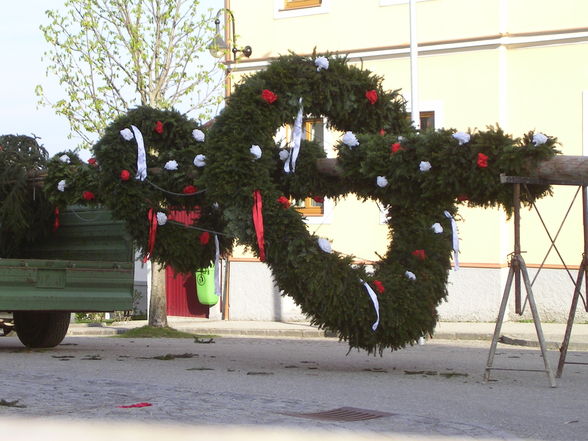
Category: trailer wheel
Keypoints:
(41, 329)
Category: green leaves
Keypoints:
(112, 56)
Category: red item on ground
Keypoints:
(135, 405)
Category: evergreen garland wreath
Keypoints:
(417, 175)
(421, 177)
(109, 178)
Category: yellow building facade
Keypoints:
(521, 64)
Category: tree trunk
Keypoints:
(158, 302)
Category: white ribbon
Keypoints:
(374, 298)
(290, 164)
(141, 157)
(217, 268)
(455, 239)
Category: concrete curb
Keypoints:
(302, 331)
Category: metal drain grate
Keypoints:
(341, 414)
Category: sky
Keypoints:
(22, 46)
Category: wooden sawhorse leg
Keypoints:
(566, 341)
(517, 264)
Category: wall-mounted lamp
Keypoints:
(219, 47)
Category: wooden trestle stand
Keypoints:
(562, 170)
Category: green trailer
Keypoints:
(86, 265)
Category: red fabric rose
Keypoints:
(396, 147)
(204, 238)
(189, 189)
(482, 160)
(284, 201)
(379, 286)
(318, 199)
(372, 96)
(93, 162)
(88, 195)
(268, 96)
(125, 175)
(419, 254)
(159, 127)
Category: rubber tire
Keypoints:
(41, 329)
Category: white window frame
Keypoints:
(280, 12)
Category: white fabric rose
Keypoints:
(161, 218)
(65, 158)
(200, 160)
(255, 151)
(437, 228)
(321, 63)
(324, 245)
(350, 140)
(61, 185)
(410, 275)
(462, 137)
(425, 166)
(539, 138)
(171, 165)
(198, 135)
(381, 181)
(284, 154)
(127, 134)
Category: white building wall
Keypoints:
(474, 295)
(253, 295)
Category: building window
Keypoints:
(300, 8)
(313, 130)
(427, 120)
(297, 4)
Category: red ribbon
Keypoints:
(56, 220)
(152, 233)
(258, 223)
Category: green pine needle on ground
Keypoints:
(165, 332)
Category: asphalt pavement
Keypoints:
(94, 387)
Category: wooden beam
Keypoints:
(559, 170)
(563, 170)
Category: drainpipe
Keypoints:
(414, 74)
